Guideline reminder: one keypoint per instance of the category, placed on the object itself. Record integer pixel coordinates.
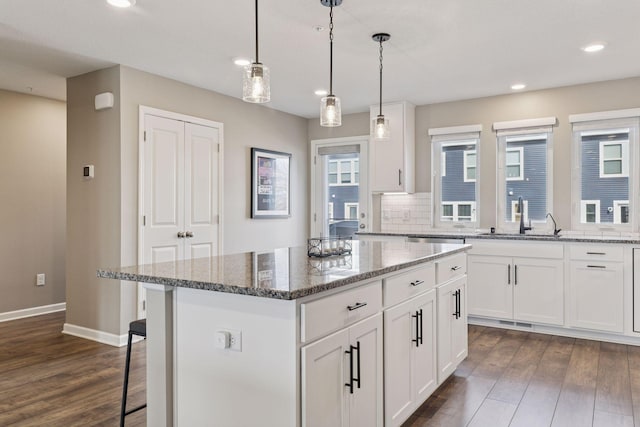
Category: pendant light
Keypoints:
(330, 113)
(380, 124)
(255, 85)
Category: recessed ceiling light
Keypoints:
(593, 47)
(518, 86)
(121, 3)
(243, 62)
(321, 92)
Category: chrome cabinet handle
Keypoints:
(417, 283)
(596, 266)
(456, 268)
(596, 253)
(356, 306)
(189, 234)
(181, 234)
(399, 177)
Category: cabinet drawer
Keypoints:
(597, 252)
(334, 312)
(407, 284)
(450, 267)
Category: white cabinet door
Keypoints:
(392, 159)
(452, 327)
(399, 335)
(325, 366)
(365, 403)
(538, 291)
(425, 369)
(597, 296)
(490, 286)
(342, 378)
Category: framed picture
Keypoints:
(270, 181)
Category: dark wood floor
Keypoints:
(51, 379)
(509, 379)
(523, 379)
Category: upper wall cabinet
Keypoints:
(392, 161)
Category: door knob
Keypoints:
(181, 234)
(189, 234)
(362, 226)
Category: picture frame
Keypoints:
(270, 184)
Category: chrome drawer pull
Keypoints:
(596, 253)
(596, 266)
(417, 283)
(455, 268)
(356, 306)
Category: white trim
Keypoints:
(95, 335)
(624, 159)
(520, 164)
(32, 311)
(142, 111)
(348, 206)
(443, 163)
(604, 115)
(525, 123)
(455, 218)
(583, 211)
(455, 129)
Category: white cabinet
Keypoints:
(596, 288)
(392, 161)
(409, 356)
(342, 377)
(452, 326)
(528, 289)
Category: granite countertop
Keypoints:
(286, 273)
(579, 238)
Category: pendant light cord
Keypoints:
(257, 60)
(330, 50)
(381, 76)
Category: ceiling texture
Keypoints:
(440, 50)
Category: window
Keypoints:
(614, 159)
(605, 179)
(455, 172)
(459, 211)
(514, 161)
(469, 166)
(351, 211)
(330, 212)
(590, 211)
(344, 172)
(524, 171)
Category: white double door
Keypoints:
(181, 188)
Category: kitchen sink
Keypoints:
(518, 235)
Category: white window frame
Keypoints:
(617, 212)
(520, 164)
(624, 159)
(601, 123)
(455, 217)
(352, 172)
(347, 206)
(330, 212)
(525, 130)
(583, 211)
(525, 207)
(442, 137)
(443, 165)
(465, 164)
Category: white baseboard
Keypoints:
(95, 335)
(33, 311)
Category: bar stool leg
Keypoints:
(126, 381)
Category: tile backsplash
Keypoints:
(405, 213)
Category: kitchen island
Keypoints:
(281, 339)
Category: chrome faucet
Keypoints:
(556, 230)
(521, 209)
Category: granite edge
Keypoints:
(549, 238)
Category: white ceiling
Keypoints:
(440, 50)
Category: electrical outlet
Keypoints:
(40, 279)
(406, 215)
(235, 339)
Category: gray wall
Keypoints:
(32, 194)
(558, 102)
(112, 139)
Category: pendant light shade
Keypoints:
(255, 83)
(330, 111)
(380, 125)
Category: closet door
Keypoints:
(163, 189)
(201, 223)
